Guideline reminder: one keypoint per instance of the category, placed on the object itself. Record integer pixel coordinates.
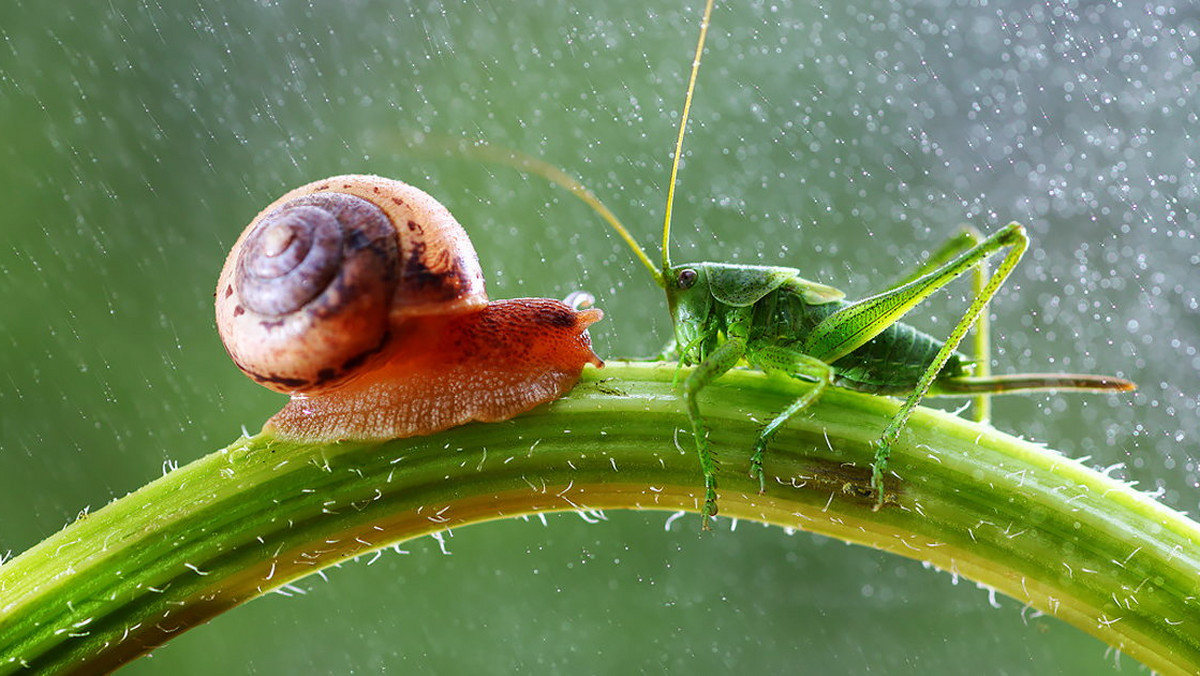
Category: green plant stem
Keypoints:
(263, 512)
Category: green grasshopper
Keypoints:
(777, 321)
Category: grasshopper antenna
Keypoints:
(529, 164)
(523, 162)
(687, 108)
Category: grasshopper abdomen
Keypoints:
(890, 364)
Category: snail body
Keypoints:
(363, 299)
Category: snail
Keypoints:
(363, 299)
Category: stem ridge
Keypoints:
(263, 512)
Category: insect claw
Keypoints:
(877, 469)
(756, 465)
(710, 502)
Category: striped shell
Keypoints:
(322, 280)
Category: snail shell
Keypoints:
(313, 286)
(363, 299)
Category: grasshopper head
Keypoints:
(689, 299)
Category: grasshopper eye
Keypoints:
(686, 278)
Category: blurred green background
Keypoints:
(137, 140)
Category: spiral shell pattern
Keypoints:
(317, 282)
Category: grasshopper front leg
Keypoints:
(713, 366)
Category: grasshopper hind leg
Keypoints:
(966, 238)
(1011, 237)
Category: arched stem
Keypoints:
(251, 517)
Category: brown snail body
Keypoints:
(363, 299)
